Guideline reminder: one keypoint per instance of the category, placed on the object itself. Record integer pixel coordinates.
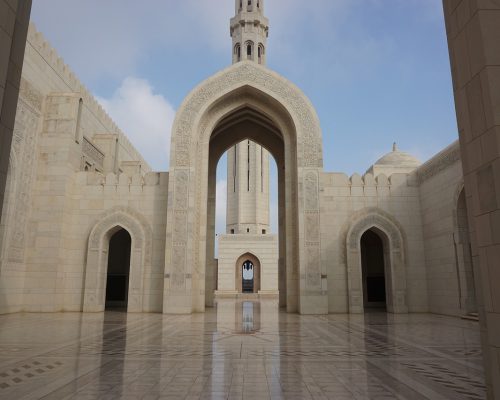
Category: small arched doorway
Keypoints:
(463, 254)
(373, 271)
(248, 273)
(390, 234)
(248, 277)
(118, 273)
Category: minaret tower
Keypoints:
(249, 30)
(247, 162)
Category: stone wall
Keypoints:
(441, 181)
(60, 130)
(345, 201)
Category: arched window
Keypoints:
(260, 53)
(241, 4)
(78, 121)
(249, 50)
(237, 51)
(258, 3)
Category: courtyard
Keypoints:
(240, 349)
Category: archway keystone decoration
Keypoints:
(394, 257)
(97, 258)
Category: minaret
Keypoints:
(247, 162)
(249, 30)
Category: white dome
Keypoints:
(395, 161)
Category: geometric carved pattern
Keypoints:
(312, 231)
(22, 170)
(443, 160)
(241, 74)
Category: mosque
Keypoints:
(370, 287)
(87, 225)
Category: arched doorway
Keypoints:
(373, 271)
(463, 253)
(245, 101)
(96, 271)
(247, 277)
(248, 274)
(117, 279)
(361, 244)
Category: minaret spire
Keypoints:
(249, 30)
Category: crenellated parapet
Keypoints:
(38, 41)
(368, 180)
(149, 179)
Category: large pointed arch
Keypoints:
(391, 233)
(97, 258)
(250, 97)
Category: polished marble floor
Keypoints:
(239, 350)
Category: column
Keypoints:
(473, 29)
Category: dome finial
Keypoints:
(394, 147)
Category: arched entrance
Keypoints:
(248, 274)
(245, 101)
(107, 240)
(117, 280)
(388, 232)
(373, 270)
(248, 277)
(463, 253)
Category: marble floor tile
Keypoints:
(268, 355)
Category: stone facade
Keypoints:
(53, 205)
(74, 180)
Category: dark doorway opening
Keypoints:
(373, 268)
(118, 271)
(248, 276)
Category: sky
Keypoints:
(377, 71)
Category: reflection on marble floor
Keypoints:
(239, 350)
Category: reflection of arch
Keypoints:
(244, 101)
(257, 272)
(97, 258)
(463, 252)
(394, 256)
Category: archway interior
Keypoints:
(246, 124)
(117, 280)
(373, 270)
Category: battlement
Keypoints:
(334, 179)
(38, 41)
(85, 178)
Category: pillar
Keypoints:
(473, 29)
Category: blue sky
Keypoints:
(377, 71)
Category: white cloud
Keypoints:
(110, 39)
(145, 117)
